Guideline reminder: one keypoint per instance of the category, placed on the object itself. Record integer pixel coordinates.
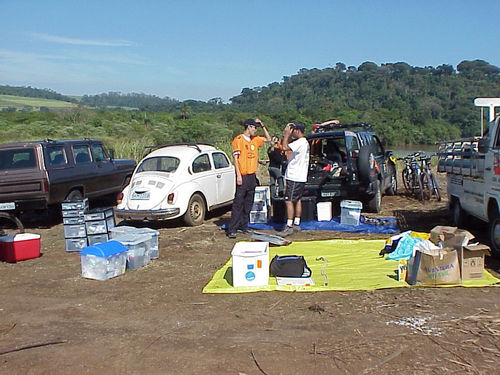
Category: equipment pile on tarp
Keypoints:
(335, 265)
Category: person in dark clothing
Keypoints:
(276, 161)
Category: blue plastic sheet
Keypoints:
(389, 227)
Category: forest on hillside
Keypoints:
(405, 104)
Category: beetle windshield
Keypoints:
(159, 164)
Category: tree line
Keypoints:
(405, 104)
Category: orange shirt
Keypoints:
(248, 153)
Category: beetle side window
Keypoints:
(220, 160)
(56, 155)
(99, 152)
(201, 164)
(81, 154)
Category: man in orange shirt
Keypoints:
(246, 158)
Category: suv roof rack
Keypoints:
(330, 127)
(191, 144)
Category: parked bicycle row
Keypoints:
(418, 178)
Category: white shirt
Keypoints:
(298, 163)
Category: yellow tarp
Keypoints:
(351, 265)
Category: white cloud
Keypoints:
(81, 42)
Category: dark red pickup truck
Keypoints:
(38, 174)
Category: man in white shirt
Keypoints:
(295, 175)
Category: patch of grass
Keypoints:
(21, 102)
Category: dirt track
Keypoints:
(155, 320)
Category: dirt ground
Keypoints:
(155, 320)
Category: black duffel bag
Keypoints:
(289, 266)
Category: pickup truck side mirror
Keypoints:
(482, 145)
(111, 153)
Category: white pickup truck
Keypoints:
(473, 174)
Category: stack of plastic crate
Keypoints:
(75, 232)
(98, 223)
(261, 205)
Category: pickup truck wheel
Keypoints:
(495, 236)
(74, 195)
(375, 204)
(458, 213)
(195, 213)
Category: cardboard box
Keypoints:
(250, 263)
(14, 248)
(472, 261)
(441, 233)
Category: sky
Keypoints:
(193, 49)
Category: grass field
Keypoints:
(21, 102)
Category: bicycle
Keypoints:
(411, 175)
(429, 182)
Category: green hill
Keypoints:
(20, 102)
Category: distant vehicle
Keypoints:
(348, 161)
(37, 175)
(472, 167)
(180, 180)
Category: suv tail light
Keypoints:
(170, 198)
(119, 198)
(45, 185)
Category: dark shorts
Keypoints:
(293, 191)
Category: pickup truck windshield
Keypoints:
(21, 158)
(160, 164)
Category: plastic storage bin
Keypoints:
(350, 212)
(99, 213)
(76, 244)
(258, 217)
(103, 261)
(96, 227)
(153, 242)
(94, 239)
(75, 205)
(250, 263)
(74, 231)
(138, 252)
(324, 210)
(18, 247)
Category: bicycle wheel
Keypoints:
(435, 188)
(426, 186)
(418, 189)
(406, 176)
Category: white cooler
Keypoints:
(250, 263)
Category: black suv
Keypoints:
(348, 161)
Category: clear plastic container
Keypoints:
(138, 249)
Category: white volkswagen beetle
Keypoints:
(178, 180)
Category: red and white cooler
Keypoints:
(14, 248)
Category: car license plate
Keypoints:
(140, 195)
(328, 193)
(7, 206)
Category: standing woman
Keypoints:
(276, 162)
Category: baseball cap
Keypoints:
(251, 121)
(299, 125)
